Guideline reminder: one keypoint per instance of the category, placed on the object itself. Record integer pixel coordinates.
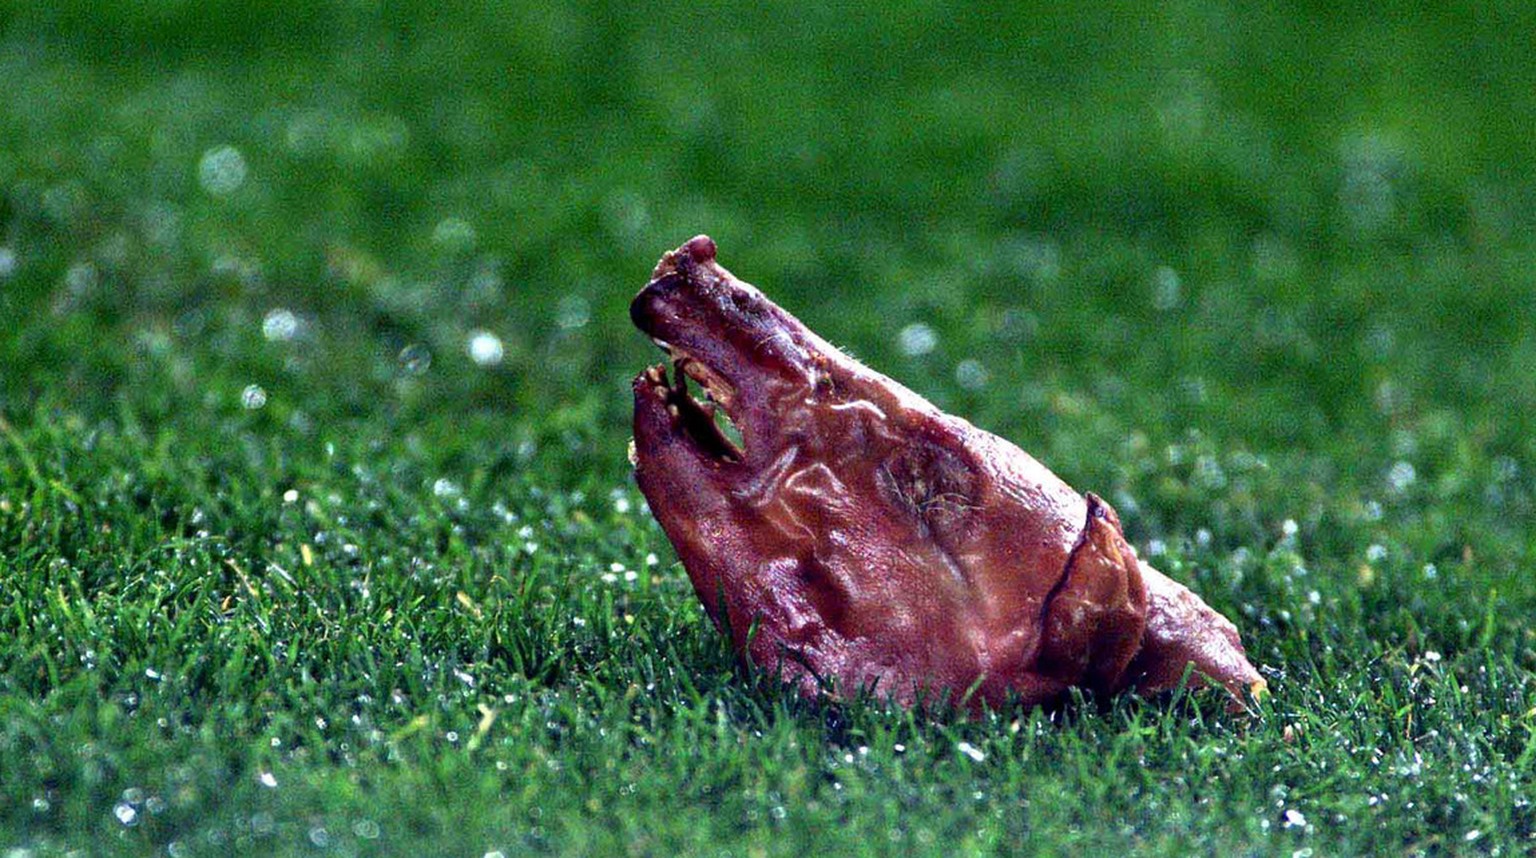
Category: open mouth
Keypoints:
(707, 422)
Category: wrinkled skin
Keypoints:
(859, 538)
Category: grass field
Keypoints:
(316, 530)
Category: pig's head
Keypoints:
(857, 537)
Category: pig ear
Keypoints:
(1095, 615)
(1183, 632)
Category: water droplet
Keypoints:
(80, 278)
(1166, 288)
(366, 829)
(279, 325)
(253, 397)
(573, 312)
(415, 359)
(485, 348)
(1371, 164)
(971, 375)
(625, 213)
(125, 813)
(222, 170)
(917, 339)
(454, 233)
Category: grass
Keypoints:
(284, 570)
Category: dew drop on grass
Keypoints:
(485, 348)
(1400, 476)
(453, 233)
(573, 312)
(221, 170)
(971, 374)
(253, 397)
(415, 359)
(917, 339)
(972, 751)
(1166, 287)
(279, 325)
(366, 829)
(80, 278)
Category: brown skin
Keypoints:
(858, 537)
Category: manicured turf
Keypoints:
(316, 529)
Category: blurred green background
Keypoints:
(341, 287)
